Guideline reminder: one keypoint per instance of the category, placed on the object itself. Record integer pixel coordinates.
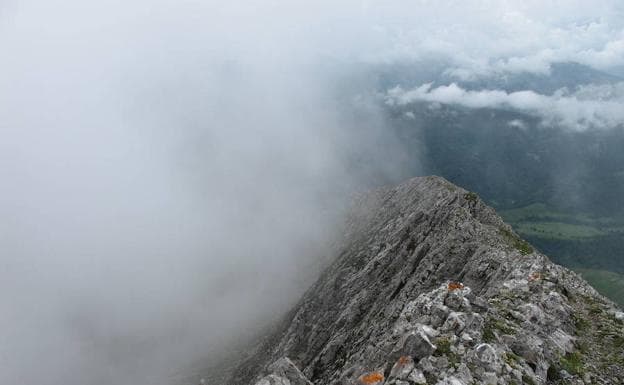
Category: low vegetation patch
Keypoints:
(580, 322)
(488, 334)
(519, 244)
(471, 197)
(511, 359)
(443, 348)
(573, 363)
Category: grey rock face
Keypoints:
(284, 370)
(429, 286)
(403, 368)
(415, 345)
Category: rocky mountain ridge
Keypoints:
(430, 286)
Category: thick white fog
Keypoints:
(170, 175)
(171, 172)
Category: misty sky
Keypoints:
(171, 171)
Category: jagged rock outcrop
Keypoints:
(429, 286)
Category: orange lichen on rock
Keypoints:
(535, 276)
(455, 286)
(372, 378)
(404, 360)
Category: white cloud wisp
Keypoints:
(588, 107)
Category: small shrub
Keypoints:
(594, 308)
(523, 247)
(471, 197)
(443, 347)
(502, 327)
(488, 333)
(572, 363)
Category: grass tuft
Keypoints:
(573, 363)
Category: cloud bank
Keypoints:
(588, 107)
(492, 38)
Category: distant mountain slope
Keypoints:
(430, 286)
(514, 161)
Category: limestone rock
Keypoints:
(415, 345)
(284, 372)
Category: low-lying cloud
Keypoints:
(588, 107)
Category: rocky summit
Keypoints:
(430, 286)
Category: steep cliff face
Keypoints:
(429, 286)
